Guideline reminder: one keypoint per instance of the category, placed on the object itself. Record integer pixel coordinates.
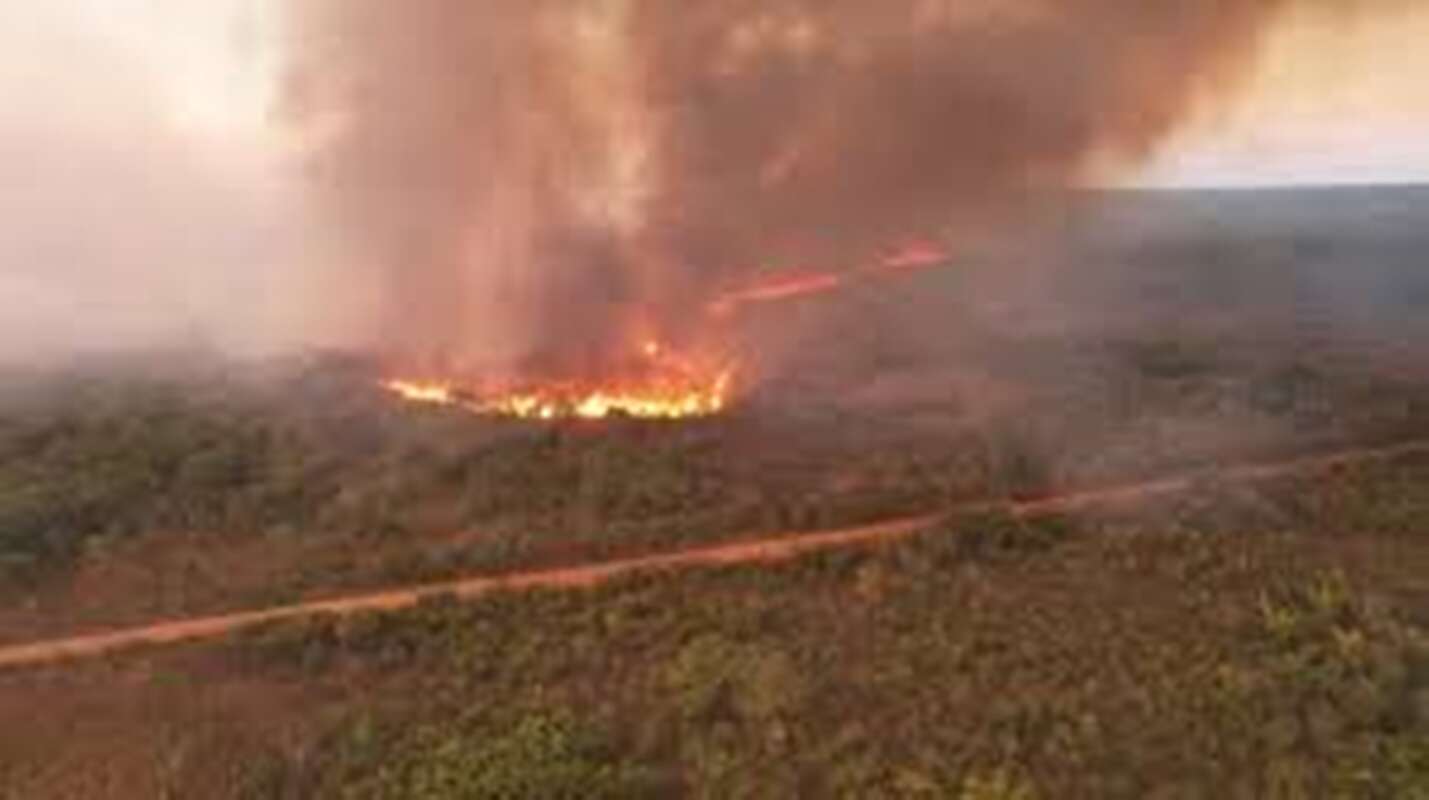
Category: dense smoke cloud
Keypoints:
(532, 178)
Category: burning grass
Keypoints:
(795, 283)
(656, 381)
(660, 385)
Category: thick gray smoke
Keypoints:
(532, 178)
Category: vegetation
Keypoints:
(538, 756)
(187, 480)
(1226, 641)
(1257, 639)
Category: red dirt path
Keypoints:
(773, 549)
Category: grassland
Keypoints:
(129, 497)
(1260, 641)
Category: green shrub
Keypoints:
(542, 757)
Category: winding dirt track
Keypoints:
(774, 549)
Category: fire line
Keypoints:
(663, 384)
(805, 283)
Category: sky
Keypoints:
(1334, 100)
(144, 195)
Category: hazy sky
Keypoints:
(1334, 101)
(143, 197)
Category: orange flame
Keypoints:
(784, 289)
(664, 387)
(916, 256)
(654, 401)
(433, 393)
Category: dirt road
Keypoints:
(780, 548)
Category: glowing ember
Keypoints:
(661, 387)
(435, 393)
(783, 289)
(918, 256)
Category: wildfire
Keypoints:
(805, 283)
(663, 386)
(654, 401)
(782, 289)
(434, 393)
(658, 383)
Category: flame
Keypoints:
(918, 255)
(416, 392)
(773, 291)
(651, 401)
(913, 257)
(663, 386)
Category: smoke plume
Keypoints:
(537, 179)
